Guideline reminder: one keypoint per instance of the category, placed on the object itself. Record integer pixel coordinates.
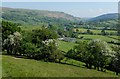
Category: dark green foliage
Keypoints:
(47, 52)
(103, 32)
(94, 53)
(71, 54)
(28, 49)
(89, 31)
(42, 34)
(51, 53)
(9, 28)
(44, 39)
(116, 59)
(38, 44)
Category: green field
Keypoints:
(65, 46)
(104, 38)
(115, 37)
(95, 31)
(18, 67)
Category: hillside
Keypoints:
(18, 67)
(35, 17)
(105, 17)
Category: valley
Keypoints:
(42, 43)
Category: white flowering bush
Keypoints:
(50, 41)
(50, 51)
(102, 53)
(12, 42)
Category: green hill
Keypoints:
(18, 67)
(104, 17)
(35, 17)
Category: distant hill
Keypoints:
(36, 16)
(105, 17)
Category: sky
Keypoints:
(59, 0)
(77, 9)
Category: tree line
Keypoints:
(97, 53)
(39, 44)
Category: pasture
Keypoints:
(19, 67)
(65, 46)
(82, 30)
(90, 37)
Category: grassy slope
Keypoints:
(0, 66)
(17, 67)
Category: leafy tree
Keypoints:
(42, 34)
(9, 28)
(116, 60)
(41, 44)
(29, 50)
(71, 54)
(103, 32)
(95, 52)
(102, 53)
(51, 51)
(89, 32)
(12, 43)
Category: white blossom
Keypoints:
(49, 41)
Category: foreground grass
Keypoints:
(18, 67)
(0, 66)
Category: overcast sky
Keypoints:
(78, 9)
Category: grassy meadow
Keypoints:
(0, 66)
(104, 38)
(65, 46)
(95, 31)
(19, 67)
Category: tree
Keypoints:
(81, 53)
(51, 52)
(29, 50)
(12, 43)
(71, 54)
(116, 60)
(103, 32)
(102, 53)
(89, 31)
(95, 53)
(77, 30)
(42, 34)
(41, 44)
(8, 29)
